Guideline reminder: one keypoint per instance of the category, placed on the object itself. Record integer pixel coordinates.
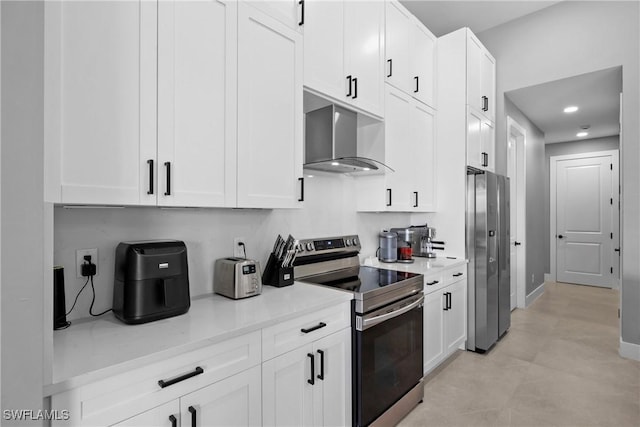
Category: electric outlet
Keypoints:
(238, 249)
(532, 279)
(80, 253)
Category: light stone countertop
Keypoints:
(420, 265)
(93, 349)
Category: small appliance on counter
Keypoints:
(237, 278)
(151, 281)
(388, 246)
(422, 241)
(405, 240)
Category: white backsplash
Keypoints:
(329, 210)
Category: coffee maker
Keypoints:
(422, 241)
(405, 244)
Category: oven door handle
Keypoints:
(367, 323)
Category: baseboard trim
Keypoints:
(547, 277)
(629, 350)
(529, 299)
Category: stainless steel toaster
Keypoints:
(237, 278)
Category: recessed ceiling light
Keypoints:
(581, 134)
(571, 109)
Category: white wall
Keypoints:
(561, 149)
(564, 40)
(22, 205)
(329, 210)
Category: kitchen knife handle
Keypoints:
(350, 79)
(416, 78)
(193, 416)
(167, 165)
(321, 374)
(415, 193)
(313, 328)
(150, 163)
(312, 379)
(174, 420)
(301, 180)
(389, 197)
(301, 3)
(390, 61)
(167, 383)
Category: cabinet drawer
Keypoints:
(302, 330)
(433, 282)
(119, 397)
(454, 275)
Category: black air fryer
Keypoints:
(151, 281)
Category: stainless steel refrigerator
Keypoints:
(489, 279)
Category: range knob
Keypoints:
(309, 246)
(348, 242)
(355, 242)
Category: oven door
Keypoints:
(387, 356)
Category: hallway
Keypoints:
(557, 366)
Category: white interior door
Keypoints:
(584, 200)
(512, 166)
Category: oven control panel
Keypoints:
(328, 245)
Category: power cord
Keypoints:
(244, 249)
(88, 269)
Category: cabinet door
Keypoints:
(456, 316)
(399, 153)
(396, 41)
(196, 103)
(364, 30)
(422, 64)
(474, 139)
(234, 401)
(423, 154)
(270, 112)
(474, 73)
(332, 391)
(289, 12)
(324, 48)
(287, 396)
(488, 145)
(488, 76)
(156, 417)
(100, 92)
(434, 304)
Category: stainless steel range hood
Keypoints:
(331, 143)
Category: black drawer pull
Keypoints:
(174, 420)
(313, 328)
(457, 275)
(172, 381)
(435, 282)
(312, 379)
(321, 374)
(193, 416)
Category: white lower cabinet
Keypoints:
(311, 385)
(445, 316)
(163, 415)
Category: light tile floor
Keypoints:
(557, 366)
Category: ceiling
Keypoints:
(443, 17)
(596, 94)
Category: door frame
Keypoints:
(615, 217)
(519, 133)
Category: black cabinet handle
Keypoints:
(312, 379)
(313, 328)
(517, 243)
(167, 383)
(193, 416)
(174, 420)
(616, 250)
(350, 79)
(560, 236)
(446, 302)
(416, 78)
(355, 88)
(485, 103)
(435, 282)
(485, 159)
(301, 199)
(321, 375)
(168, 166)
(390, 61)
(388, 197)
(457, 275)
(415, 193)
(301, 3)
(150, 163)
(449, 299)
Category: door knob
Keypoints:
(560, 236)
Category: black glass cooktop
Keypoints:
(369, 279)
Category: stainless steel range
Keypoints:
(387, 319)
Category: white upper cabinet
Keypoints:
(481, 78)
(196, 103)
(289, 12)
(100, 101)
(343, 52)
(270, 134)
(410, 50)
